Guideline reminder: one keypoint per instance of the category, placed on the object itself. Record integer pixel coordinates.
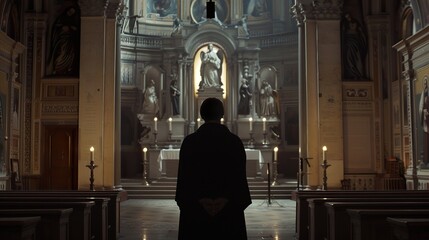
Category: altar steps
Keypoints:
(165, 188)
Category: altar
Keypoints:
(168, 160)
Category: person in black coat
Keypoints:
(212, 190)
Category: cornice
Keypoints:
(318, 10)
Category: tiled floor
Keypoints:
(149, 219)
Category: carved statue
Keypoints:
(211, 68)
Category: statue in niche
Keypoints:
(211, 68)
(64, 56)
(245, 98)
(175, 97)
(267, 100)
(150, 100)
(354, 48)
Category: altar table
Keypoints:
(168, 160)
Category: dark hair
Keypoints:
(211, 109)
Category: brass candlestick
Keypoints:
(265, 140)
(91, 167)
(155, 141)
(251, 141)
(325, 165)
(145, 167)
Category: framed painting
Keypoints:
(421, 118)
(198, 10)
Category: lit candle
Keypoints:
(155, 120)
(144, 153)
(250, 124)
(170, 124)
(324, 152)
(276, 149)
(198, 122)
(91, 149)
(264, 122)
(221, 121)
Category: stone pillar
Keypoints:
(323, 86)
(302, 106)
(97, 92)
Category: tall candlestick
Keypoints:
(198, 122)
(170, 124)
(276, 149)
(324, 152)
(155, 120)
(144, 153)
(250, 124)
(264, 122)
(91, 149)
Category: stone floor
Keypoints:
(151, 219)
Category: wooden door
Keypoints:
(60, 157)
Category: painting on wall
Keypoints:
(64, 41)
(199, 15)
(421, 116)
(257, 8)
(162, 7)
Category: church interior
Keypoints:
(327, 93)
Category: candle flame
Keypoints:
(144, 149)
(276, 149)
(325, 148)
(91, 149)
(155, 119)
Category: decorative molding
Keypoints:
(92, 7)
(113, 8)
(318, 9)
(58, 108)
(29, 42)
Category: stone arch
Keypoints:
(210, 34)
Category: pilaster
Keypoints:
(97, 92)
(320, 88)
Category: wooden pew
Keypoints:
(80, 218)
(18, 228)
(54, 223)
(371, 224)
(114, 205)
(302, 213)
(318, 214)
(409, 228)
(99, 213)
(339, 221)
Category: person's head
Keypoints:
(211, 109)
(210, 47)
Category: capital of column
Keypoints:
(317, 9)
(114, 8)
(90, 8)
